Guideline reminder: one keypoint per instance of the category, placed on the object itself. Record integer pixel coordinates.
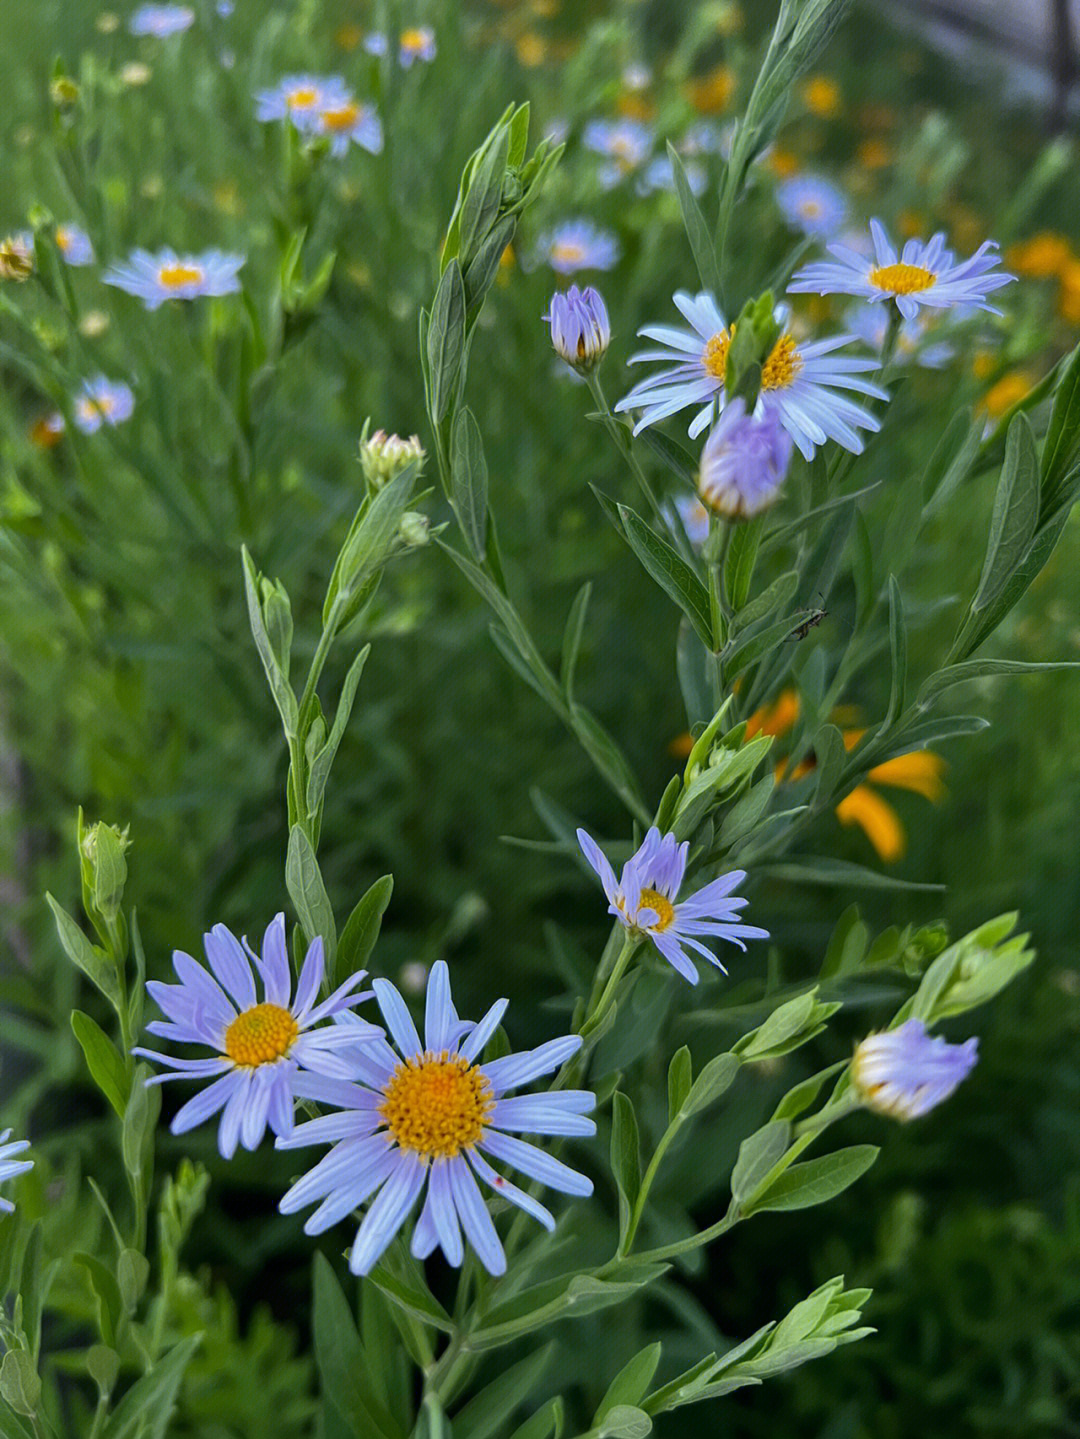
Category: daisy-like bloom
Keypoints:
(350, 123)
(74, 244)
(300, 98)
(922, 274)
(429, 1115)
(169, 276)
(745, 461)
(578, 245)
(626, 143)
(694, 518)
(10, 1166)
(161, 20)
(905, 1072)
(268, 1050)
(643, 900)
(812, 205)
(871, 323)
(799, 381)
(101, 402)
(17, 257)
(580, 329)
(416, 43)
(659, 174)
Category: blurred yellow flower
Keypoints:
(135, 73)
(107, 22)
(911, 224)
(1042, 257)
(874, 154)
(632, 105)
(348, 37)
(821, 96)
(711, 94)
(783, 163)
(1069, 294)
(530, 49)
(983, 364)
(1006, 392)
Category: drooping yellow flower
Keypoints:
(821, 96)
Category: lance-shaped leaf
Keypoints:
(446, 339)
(670, 571)
(304, 881)
(697, 231)
(815, 1182)
(469, 481)
(1016, 513)
(103, 1060)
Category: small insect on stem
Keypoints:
(812, 620)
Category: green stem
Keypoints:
(622, 443)
(647, 1183)
(593, 1019)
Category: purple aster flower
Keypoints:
(812, 205)
(376, 43)
(871, 323)
(580, 330)
(102, 402)
(905, 1072)
(300, 98)
(659, 174)
(626, 143)
(923, 274)
(268, 1051)
(416, 43)
(800, 381)
(643, 900)
(74, 244)
(350, 123)
(430, 1116)
(161, 20)
(10, 1166)
(578, 245)
(169, 276)
(745, 461)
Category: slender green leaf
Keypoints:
(146, 1408)
(575, 629)
(319, 768)
(898, 652)
(983, 669)
(103, 1059)
(680, 1079)
(469, 481)
(815, 1182)
(758, 1154)
(1062, 444)
(416, 1302)
(670, 571)
(1016, 513)
(446, 339)
(625, 1156)
(486, 1415)
(347, 1382)
(362, 928)
(304, 881)
(697, 232)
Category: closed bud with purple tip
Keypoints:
(744, 462)
(580, 329)
(906, 1071)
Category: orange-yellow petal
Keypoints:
(775, 719)
(681, 745)
(921, 771)
(879, 821)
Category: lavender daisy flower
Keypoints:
(905, 1072)
(812, 205)
(169, 276)
(74, 244)
(745, 461)
(578, 245)
(659, 174)
(626, 143)
(643, 900)
(580, 329)
(376, 43)
(268, 1051)
(101, 402)
(416, 43)
(350, 123)
(923, 274)
(871, 323)
(799, 381)
(426, 1116)
(161, 20)
(300, 98)
(10, 1166)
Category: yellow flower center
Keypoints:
(568, 252)
(89, 406)
(782, 366)
(260, 1035)
(714, 357)
(901, 279)
(341, 119)
(437, 1105)
(173, 276)
(413, 39)
(63, 238)
(810, 208)
(303, 98)
(664, 908)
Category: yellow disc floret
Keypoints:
(437, 1105)
(303, 98)
(783, 364)
(260, 1035)
(715, 354)
(901, 279)
(173, 276)
(341, 119)
(665, 910)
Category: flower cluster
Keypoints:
(323, 107)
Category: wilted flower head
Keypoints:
(10, 1166)
(905, 1072)
(924, 274)
(643, 900)
(17, 257)
(580, 330)
(269, 1052)
(102, 402)
(744, 462)
(426, 1117)
(383, 456)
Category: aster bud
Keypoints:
(580, 330)
(414, 529)
(383, 456)
(104, 868)
(905, 1072)
(744, 462)
(16, 258)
